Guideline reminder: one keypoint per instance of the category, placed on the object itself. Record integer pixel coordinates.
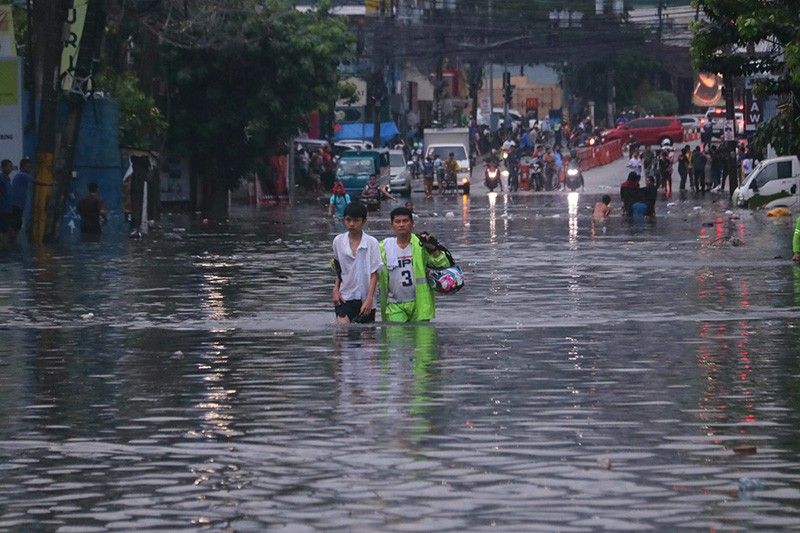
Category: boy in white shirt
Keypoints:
(358, 260)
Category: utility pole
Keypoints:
(378, 93)
(490, 111)
(88, 54)
(49, 20)
(475, 82)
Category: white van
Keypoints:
(773, 183)
(716, 116)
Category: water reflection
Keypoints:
(562, 391)
(492, 217)
(572, 210)
(380, 370)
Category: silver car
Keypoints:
(400, 175)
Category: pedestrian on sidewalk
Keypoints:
(357, 258)
(635, 164)
(665, 171)
(699, 169)
(683, 167)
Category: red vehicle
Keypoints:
(647, 130)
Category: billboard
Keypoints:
(7, 42)
(707, 90)
(11, 109)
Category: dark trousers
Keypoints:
(700, 179)
(684, 174)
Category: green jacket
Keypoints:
(420, 261)
(796, 238)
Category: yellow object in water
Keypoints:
(779, 212)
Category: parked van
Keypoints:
(716, 116)
(773, 183)
(356, 166)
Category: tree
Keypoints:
(240, 99)
(141, 123)
(756, 38)
(630, 79)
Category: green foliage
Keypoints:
(659, 103)
(141, 123)
(589, 81)
(237, 103)
(731, 40)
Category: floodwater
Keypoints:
(625, 376)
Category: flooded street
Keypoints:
(617, 375)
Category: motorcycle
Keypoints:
(512, 173)
(492, 177)
(574, 177)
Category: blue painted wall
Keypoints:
(97, 155)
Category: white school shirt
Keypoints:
(401, 271)
(356, 269)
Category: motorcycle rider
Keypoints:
(493, 161)
(576, 180)
(512, 165)
(372, 194)
(451, 168)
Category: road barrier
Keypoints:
(691, 134)
(602, 154)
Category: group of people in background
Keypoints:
(15, 190)
(705, 168)
(16, 195)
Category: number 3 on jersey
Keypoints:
(407, 280)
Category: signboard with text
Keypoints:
(11, 109)
(753, 109)
(8, 47)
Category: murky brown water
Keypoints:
(587, 377)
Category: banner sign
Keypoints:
(8, 47)
(11, 109)
(76, 19)
(753, 108)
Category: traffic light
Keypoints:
(508, 89)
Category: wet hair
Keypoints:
(355, 210)
(606, 199)
(633, 176)
(401, 211)
(92, 187)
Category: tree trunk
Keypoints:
(49, 21)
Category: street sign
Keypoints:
(753, 110)
(531, 103)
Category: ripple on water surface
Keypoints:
(624, 377)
